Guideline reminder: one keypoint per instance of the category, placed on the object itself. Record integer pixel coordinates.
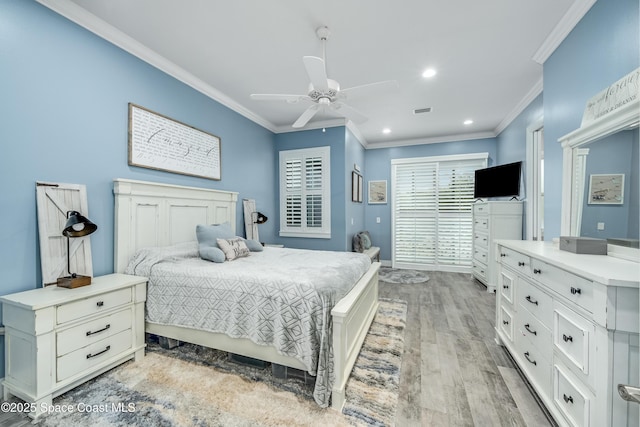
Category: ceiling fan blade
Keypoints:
(306, 116)
(292, 99)
(371, 88)
(316, 71)
(349, 112)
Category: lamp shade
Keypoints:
(260, 218)
(78, 225)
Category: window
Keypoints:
(305, 193)
(432, 211)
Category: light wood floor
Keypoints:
(453, 372)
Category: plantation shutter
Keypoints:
(432, 208)
(305, 193)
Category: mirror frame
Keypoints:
(623, 118)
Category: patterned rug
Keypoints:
(196, 386)
(401, 276)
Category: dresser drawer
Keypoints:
(538, 303)
(480, 270)
(480, 240)
(90, 332)
(505, 322)
(85, 358)
(481, 255)
(573, 338)
(480, 223)
(534, 364)
(515, 260)
(575, 288)
(507, 286)
(96, 304)
(571, 398)
(480, 208)
(538, 335)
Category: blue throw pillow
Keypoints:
(253, 245)
(207, 240)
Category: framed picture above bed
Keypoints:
(161, 143)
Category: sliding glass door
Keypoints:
(431, 207)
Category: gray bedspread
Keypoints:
(279, 297)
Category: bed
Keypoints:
(153, 215)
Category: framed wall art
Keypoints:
(356, 187)
(606, 189)
(161, 143)
(377, 192)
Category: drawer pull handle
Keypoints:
(520, 264)
(505, 286)
(567, 338)
(503, 255)
(100, 303)
(566, 398)
(576, 291)
(526, 354)
(530, 331)
(537, 271)
(89, 356)
(89, 333)
(531, 300)
(505, 322)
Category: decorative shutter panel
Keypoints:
(53, 202)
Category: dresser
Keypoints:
(57, 338)
(491, 221)
(571, 324)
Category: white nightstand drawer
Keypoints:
(536, 302)
(90, 332)
(84, 358)
(569, 396)
(96, 304)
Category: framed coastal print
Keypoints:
(606, 189)
(377, 192)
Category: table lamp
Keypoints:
(76, 226)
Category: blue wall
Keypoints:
(354, 215)
(602, 48)
(64, 113)
(378, 167)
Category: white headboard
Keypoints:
(154, 214)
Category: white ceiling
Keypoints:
(488, 55)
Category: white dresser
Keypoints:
(58, 338)
(491, 221)
(571, 324)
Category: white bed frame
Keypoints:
(153, 214)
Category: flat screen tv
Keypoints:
(498, 181)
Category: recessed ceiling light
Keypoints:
(429, 72)
(386, 130)
(468, 122)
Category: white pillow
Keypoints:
(233, 248)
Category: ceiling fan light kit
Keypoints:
(324, 93)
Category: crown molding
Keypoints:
(574, 14)
(87, 20)
(332, 123)
(356, 132)
(430, 140)
(520, 107)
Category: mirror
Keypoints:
(607, 189)
(600, 176)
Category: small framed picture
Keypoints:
(377, 192)
(606, 189)
(356, 187)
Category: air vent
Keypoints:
(422, 110)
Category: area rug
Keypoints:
(195, 386)
(401, 276)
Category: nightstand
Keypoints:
(58, 338)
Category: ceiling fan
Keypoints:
(324, 93)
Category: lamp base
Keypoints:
(74, 281)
